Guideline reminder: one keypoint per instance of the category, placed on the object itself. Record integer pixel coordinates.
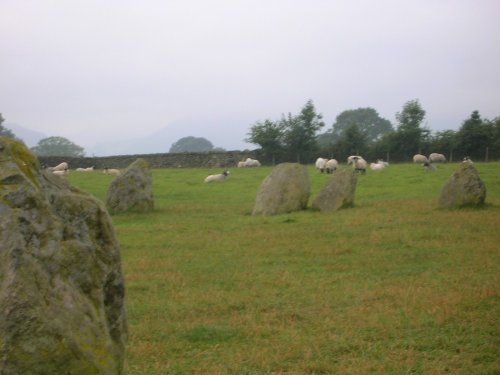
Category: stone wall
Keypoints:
(226, 159)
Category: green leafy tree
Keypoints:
(368, 121)
(444, 142)
(58, 146)
(4, 131)
(300, 133)
(410, 137)
(352, 142)
(476, 136)
(269, 136)
(191, 144)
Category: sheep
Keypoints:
(241, 164)
(252, 163)
(320, 164)
(379, 165)
(467, 160)
(420, 159)
(350, 159)
(217, 177)
(429, 167)
(60, 167)
(114, 172)
(331, 165)
(437, 158)
(359, 164)
(89, 169)
(64, 172)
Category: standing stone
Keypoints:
(132, 190)
(463, 188)
(62, 303)
(286, 189)
(338, 192)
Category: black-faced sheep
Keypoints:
(217, 177)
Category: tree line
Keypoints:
(363, 132)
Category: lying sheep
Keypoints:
(114, 172)
(359, 164)
(420, 159)
(437, 158)
(429, 167)
(60, 167)
(217, 177)
(89, 169)
(320, 164)
(379, 165)
(331, 165)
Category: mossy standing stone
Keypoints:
(62, 294)
(463, 188)
(338, 192)
(132, 190)
(286, 189)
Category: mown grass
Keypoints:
(391, 286)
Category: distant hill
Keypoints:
(29, 137)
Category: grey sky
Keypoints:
(95, 71)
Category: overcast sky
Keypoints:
(94, 70)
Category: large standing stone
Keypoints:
(62, 303)
(286, 189)
(338, 192)
(132, 190)
(463, 188)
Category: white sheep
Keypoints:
(331, 165)
(467, 160)
(60, 167)
(320, 164)
(217, 177)
(64, 172)
(429, 167)
(252, 163)
(420, 159)
(379, 165)
(359, 164)
(89, 169)
(437, 158)
(114, 172)
(241, 164)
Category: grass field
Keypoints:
(391, 286)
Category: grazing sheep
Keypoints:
(429, 167)
(320, 164)
(114, 172)
(241, 164)
(379, 165)
(467, 160)
(217, 177)
(252, 163)
(64, 172)
(420, 159)
(60, 167)
(89, 169)
(437, 158)
(359, 164)
(331, 165)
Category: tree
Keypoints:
(269, 136)
(191, 144)
(4, 131)
(444, 142)
(352, 142)
(475, 136)
(368, 121)
(57, 146)
(300, 132)
(410, 137)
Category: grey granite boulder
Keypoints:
(62, 302)
(338, 192)
(132, 190)
(286, 189)
(463, 188)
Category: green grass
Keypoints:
(391, 286)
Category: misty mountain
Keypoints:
(221, 132)
(29, 137)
